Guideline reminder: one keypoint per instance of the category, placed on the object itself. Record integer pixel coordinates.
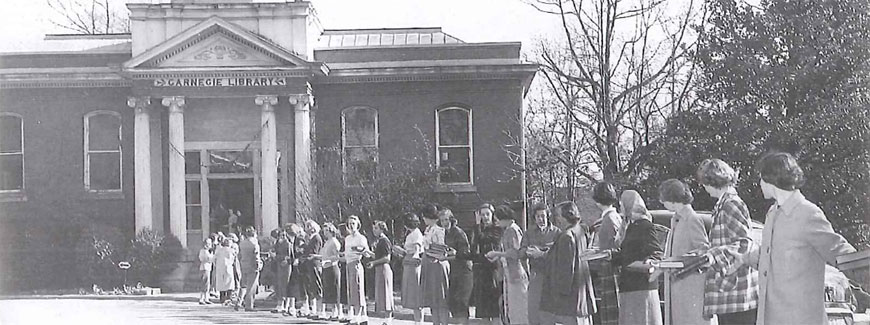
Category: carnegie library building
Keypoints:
(211, 112)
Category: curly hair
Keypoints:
(673, 190)
(716, 173)
(780, 169)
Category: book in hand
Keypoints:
(592, 255)
(856, 260)
(693, 265)
(679, 262)
(437, 251)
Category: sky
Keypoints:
(23, 23)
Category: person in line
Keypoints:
(296, 238)
(436, 269)
(606, 232)
(312, 283)
(355, 247)
(569, 297)
(225, 257)
(251, 264)
(684, 298)
(536, 243)
(383, 271)
(235, 299)
(206, 259)
(731, 285)
(329, 256)
(459, 257)
(638, 296)
(412, 253)
(281, 264)
(515, 289)
(797, 242)
(487, 288)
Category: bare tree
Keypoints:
(619, 69)
(91, 16)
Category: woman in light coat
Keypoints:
(515, 291)
(224, 258)
(797, 243)
(684, 298)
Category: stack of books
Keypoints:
(437, 251)
(856, 260)
(592, 255)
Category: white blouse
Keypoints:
(414, 243)
(351, 241)
(434, 235)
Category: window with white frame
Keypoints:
(103, 151)
(11, 153)
(453, 138)
(359, 144)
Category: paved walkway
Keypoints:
(161, 309)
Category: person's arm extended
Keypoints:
(738, 245)
(817, 231)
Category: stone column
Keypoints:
(269, 162)
(177, 193)
(142, 161)
(302, 152)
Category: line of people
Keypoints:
(545, 275)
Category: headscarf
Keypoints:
(633, 206)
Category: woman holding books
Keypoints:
(487, 288)
(607, 232)
(567, 284)
(435, 267)
(312, 271)
(516, 280)
(461, 277)
(355, 247)
(797, 242)
(329, 256)
(638, 296)
(412, 251)
(684, 296)
(383, 270)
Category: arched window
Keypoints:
(11, 153)
(359, 144)
(453, 138)
(102, 151)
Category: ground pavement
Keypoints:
(161, 309)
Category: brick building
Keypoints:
(212, 108)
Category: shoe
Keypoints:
(277, 311)
(208, 302)
(292, 312)
(202, 302)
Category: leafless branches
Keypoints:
(90, 16)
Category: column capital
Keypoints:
(300, 101)
(139, 103)
(173, 102)
(266, 100)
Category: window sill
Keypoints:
(455, 188)
(105, 195)
(13, 197)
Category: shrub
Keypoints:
(95, 252)
(151, 255)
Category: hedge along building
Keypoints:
(210, 106)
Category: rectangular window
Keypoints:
(230, 162)
(359, 145)
(194, 205)
(454, 145)
(103, 151)
(192, 162)
(11, 153)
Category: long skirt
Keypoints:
(486, 291)
(435, 283)
(282, 281)
(515, 297)
(461, 285)
(224, 280)
(356, 295)
(412, 288)
(312, 282)
(604, 284)
(331, 284)
(640, 307)
(536, 283)
(383, 288)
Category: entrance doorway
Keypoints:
(231, 203)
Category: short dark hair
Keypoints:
(605, 193)
(780, 169)
(411, 220)
(485, 206)
(716, 173)
(504, 212)
(569, 211)
(673, 190)
(540, 207)
(429, 211)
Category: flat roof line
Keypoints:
(63, 37)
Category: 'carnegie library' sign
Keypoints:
(221, 82)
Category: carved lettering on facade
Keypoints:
(221, 82)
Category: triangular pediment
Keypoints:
(215, 43)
